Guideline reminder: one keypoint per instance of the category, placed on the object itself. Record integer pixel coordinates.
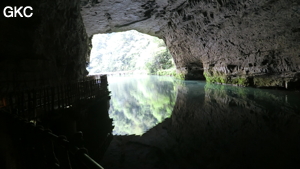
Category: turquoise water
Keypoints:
(194, 124)
(138, 103)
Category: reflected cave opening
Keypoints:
(205, 125)
(216, 126)
(139, 103)
(139, 99)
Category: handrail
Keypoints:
(22, 104)
(51, 98)
(79, 153)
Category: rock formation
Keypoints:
(247, 43)
(50, 46)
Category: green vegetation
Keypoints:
(269, 81)
(223, 79)
(170, 72)
(138, 104)
(241, 81)
(127, 51)
(161, 60)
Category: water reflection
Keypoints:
(139, 103)
(217, 126)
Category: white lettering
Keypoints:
(17, 11)
(30, 15)
(10, 12)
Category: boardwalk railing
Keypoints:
(38, 101)
(39, 147)
(123, 73)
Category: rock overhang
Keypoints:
(226, 39)
(115, 16)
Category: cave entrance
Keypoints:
(129, 52)
(138, 102)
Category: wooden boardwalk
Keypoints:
(38, 147)
(33, 102)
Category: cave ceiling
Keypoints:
(227, 41)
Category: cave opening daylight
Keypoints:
(129, 52)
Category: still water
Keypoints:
(161, 122)
(138, 103)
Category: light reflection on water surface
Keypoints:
(138, 103)
(210, 126)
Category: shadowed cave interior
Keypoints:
(249, 43)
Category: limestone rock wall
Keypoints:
(247, 42)
(50, 46)
(107, 16)
(238, 42)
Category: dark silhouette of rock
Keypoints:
(46, 48)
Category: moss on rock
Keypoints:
(265, 81)
(224, 79)
(171, 72)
